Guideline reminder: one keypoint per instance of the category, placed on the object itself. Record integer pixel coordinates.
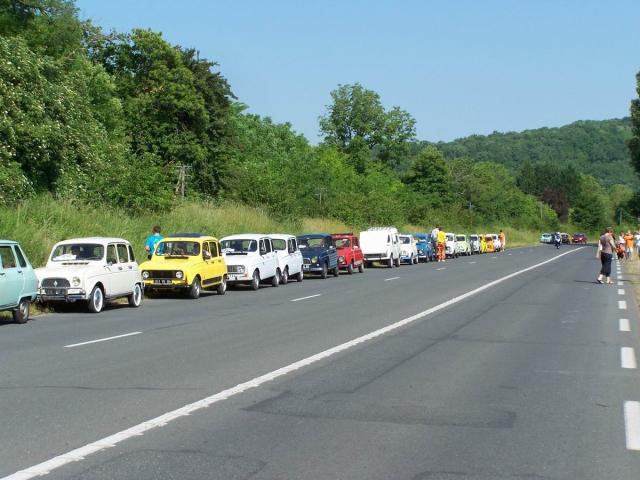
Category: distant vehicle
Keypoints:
(408, 249)
(475, 243)
(289, 257)
(462, 245)
(18, 281)
(488, 238)
(186, 262)
(497, 244)
(450, 245)
(250, 260)
(565, 238)
(319, 254)
(381, 244)
(424, 246)
(350, 254)
(579, 238)
(546, 238)
(91, 270)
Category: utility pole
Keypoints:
(183, 172)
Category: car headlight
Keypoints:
(314, 259)
(75, 281)
(179, 274)
(341, 258)
(241, 269)
(145, 274)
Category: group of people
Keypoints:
(622, 247)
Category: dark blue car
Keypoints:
(426, 251)
(319, 254)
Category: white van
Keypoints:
(381, 244)
(497, 244)
(450, 245)
(289, 257)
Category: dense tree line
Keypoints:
(127, 119)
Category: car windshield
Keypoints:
(311, 242)
(405, 240)
(343, 243)
(449, 238)
(279, 244)
(78, 251)
(175, 248)
(460, 238)
(473, 237)
(240, 245)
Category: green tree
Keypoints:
(634, 141)
(430, 177)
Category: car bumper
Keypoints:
(66, 294)
(312, 268)
(172, 284)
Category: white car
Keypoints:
(250, 259)
(497, 244)
(381, 244)
(450, 245)
(475, 243)
(408, 249)
(289, 257)
(91, 270)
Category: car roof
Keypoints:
(187, 237)
(12, 242)
(314, 235)
(245, 236)
(93, 240)
(281, 236)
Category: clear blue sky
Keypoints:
(459, 67)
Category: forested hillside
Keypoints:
(598, 148)
(129, 121)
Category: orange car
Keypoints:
(489, 241)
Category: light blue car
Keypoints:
(18, 282)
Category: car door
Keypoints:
(134, 267)
(220, 268)
(358, 257)
(11, 277)
(295, 256)
(30, 281)
(270, 259)
(114, 280)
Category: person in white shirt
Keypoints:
(637, 237)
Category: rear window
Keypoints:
(279, 244)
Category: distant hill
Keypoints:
(596, 147)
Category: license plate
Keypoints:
(54, 292)
(162, 282)
(305, 268)
(232, 277)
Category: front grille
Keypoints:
(307, 261)
(233, 268)
(55, 282)
(373, 255)
(162, 274)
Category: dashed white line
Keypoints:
(112, 440)
(306, 298)
(622, 304)
(391, 279)
(620, 284)
(621, 291)
(632, 425)
(441, 268)
(624, 325)
(628, 357)
(471, 263)
(102, 340)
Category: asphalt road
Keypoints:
(532, 377)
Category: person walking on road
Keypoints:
(637, 239)
(606, 247)
(434, 240)
(628, 245)
(152, 241)
(503, 241)
(442, 239)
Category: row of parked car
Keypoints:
(95, 270)
(577, 238)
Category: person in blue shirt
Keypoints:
(152, 241)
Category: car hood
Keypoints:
(162, 263)
(69, 271)
(240, 259)
(313, 251)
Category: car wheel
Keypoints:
(397, 262)
(300, 276)
(96, 300)
(135, 299)
(21, 314)
(284, 278)
(325, 271)
(361, 268)
(275, 280)
(390, 263)
(336, 271)
(222, 287)
(194, 289)
(255, 280)
(350, 269)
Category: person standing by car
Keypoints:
(606, 248)
(637, 239)
(628, 245)
(442, 239)
(503, 240)
(152, 241)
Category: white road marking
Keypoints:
(620, 278)
(620, 284)
(102, 340)
(306, 298)
(508, 254)
(494, 257)
(162, 420)
(471, 263)
(622, 304)
(632, 425)
(621, 291)
(441, 268)
(628, 357)
(624, 325)
(391, 278)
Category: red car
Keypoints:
(349, 253)
(579, 238)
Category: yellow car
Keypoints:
(186, 261)
(489, 241)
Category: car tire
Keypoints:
(336, 271)
(194, 289)
(350, 269)
(397, 262)
(21, 314)
(135, 299)
(361, 268)
(325, 271)
(390, 262)
(222, 287)
(96, 300)
(284, 278)
(300, 276)
(255, 280)
(275, 280)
